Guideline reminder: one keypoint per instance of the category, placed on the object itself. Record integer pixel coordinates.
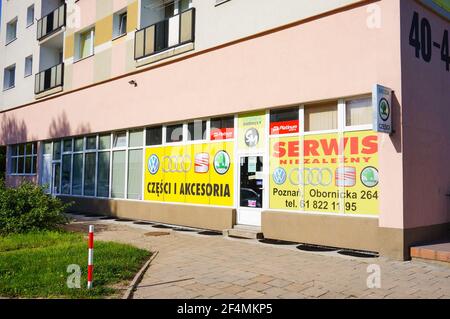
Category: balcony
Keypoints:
(166, 34)
(49, 79)
(51, 23)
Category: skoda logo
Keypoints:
(221, 162)
(251, 137)
(153, 164)
(369, 176)
(279, 176)
(384, 109)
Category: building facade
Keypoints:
(213, 114)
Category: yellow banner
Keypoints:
(196, 174)
(325, 173)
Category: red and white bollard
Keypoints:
(90, 256)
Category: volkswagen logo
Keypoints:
(279, 176)
(251, 137)
(176, 164)
(153, 164)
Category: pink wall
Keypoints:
(426, 115)
(332, 57)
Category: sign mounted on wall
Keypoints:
(382, 112)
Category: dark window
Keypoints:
(197, 130)
(222, 128)
(153, 136)
(174, 133)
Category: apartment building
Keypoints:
(317, 122)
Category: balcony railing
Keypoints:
(51, 22)
(49, 79)
(165, 34)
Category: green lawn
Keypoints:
(34, 265)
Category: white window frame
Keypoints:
(30, 71)
(33, 155)
(30, 10)
(8, 38)
(7, 77)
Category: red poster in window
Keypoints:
(222, 133)
(284, 127)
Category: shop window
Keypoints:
(67, 146)
(284, 121)
(104, 142)
(153, 135)
(222, 128)
(65, 176)
(120, 139)
(321, 117)
(23, 159)
(174, 133)
(136, 138)
(358, 112)
(134, 187)
(103, 174)
(197, 130)
(118, 174)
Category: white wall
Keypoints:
(16, 52)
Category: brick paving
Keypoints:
(190, 265)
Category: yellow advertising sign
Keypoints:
(251, 131)
(196, 174)
(325, 173)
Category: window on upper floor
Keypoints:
(321, 117)
(85, 43)
(11, 31)
(9, 77)
(28, 66)
(358, 112)
(119, 24)
(30, 15)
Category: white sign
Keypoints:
(382, 112)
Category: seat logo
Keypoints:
(221, 162)
(177, 164)
(201, 163)
(153, 164)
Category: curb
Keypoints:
(137, 279)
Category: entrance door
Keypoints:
(56, 186)
(251, 186)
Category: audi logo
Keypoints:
(176, 164)
(311, 176)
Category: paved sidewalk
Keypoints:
(190, 265)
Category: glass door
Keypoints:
(56, 186)
(251, 190)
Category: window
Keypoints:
(222, 128)
(284, 121)
(28, 65)
(118, 174)
(9, 77)
(321, 117)
(120, 139)
(65, 176)
(134, 187)
(358, 112)
(85, 44)
(67, 146)
(57, 150)
(23, 159)
(77, 174)
(136, 138)
(91, 142)
(196, 130)
(153, 135)
(104, 142)
(89, 173)
(103, 174)
(30, 15)
(119, 24)
(11, 31)
(174, 133)
(78, 145)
